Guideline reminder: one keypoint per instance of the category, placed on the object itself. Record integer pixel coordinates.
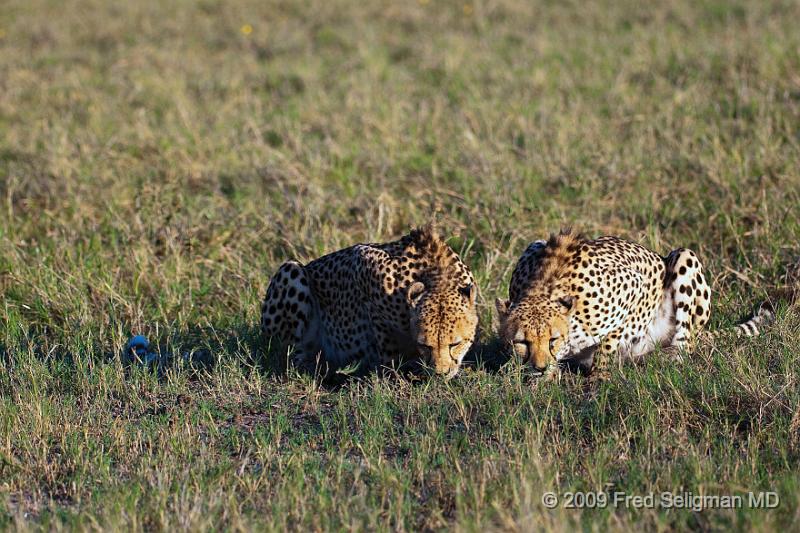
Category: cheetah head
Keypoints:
(444, 321)
(536, 328)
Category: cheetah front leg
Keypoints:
(620, 322)
(691, 297)
(601, 366)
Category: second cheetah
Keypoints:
(570, 294)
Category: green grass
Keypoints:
(157, 163)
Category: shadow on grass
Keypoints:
(199, 350)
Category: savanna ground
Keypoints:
(158, 160)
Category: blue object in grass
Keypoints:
(139, 347)
(138, 350)
(139, 344)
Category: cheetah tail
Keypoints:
(752, 327)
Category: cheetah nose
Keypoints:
(538, 368)
(442, 363)
(447, 371)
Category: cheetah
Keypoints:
(571, 295)
(376, 305)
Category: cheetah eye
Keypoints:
(456, 344)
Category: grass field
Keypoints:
(158, 160)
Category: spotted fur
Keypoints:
(376, 304)
(611, 296)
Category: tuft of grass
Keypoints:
(159, 160)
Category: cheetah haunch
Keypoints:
(376, 305)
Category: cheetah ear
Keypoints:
(415, 292)
(502, 307)
(469, 292)
(566, 302)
